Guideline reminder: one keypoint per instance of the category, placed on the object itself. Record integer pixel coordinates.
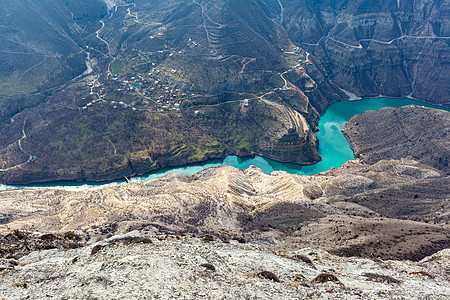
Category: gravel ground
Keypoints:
(170, 267)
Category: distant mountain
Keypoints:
(41, 48)
(377, 47)
(173, 82)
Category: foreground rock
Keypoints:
(392, 133)
(174, 267)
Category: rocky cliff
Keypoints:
(411, 131)
(371, 48)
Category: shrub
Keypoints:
(70, 235)
(325, 277)
(19, 234)
(95, 249)
(208, 266)
(269, 275)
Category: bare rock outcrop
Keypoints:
(412, 131)
(330, 210)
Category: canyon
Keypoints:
(175, 82)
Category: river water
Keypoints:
(333, 147)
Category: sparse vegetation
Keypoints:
(22, 285)
(19, 234)
(325, 277)
(70, 235)
(269, 275)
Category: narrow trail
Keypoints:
(407, 37)
(245, 65)
(35, 66)
(219, 104)
(97, 33)
(24, 136)
(345, 44)
(209, 36)
(285, 80)
(281, 12)
(19, 142)
(112, 144)
(145, 97)
(359, 46)
(136, 18)
(27, 53)
(207, 16)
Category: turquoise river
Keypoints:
(333, 147)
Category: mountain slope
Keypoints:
(175, 82)
(372, 47)
(41, 48)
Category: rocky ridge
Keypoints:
(412, 131)
(280, 209)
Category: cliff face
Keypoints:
(371, 48)
(411, 131)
